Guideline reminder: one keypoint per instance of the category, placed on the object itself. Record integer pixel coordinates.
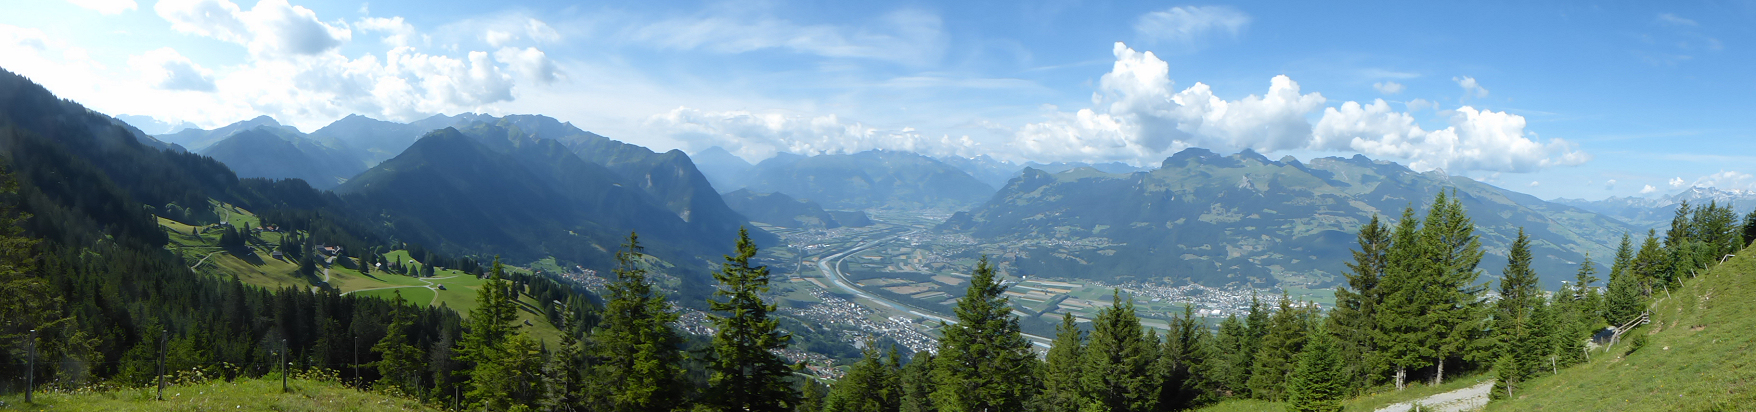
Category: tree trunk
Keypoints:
(1439, 374)
(1401, 376)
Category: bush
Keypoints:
(1636, 342)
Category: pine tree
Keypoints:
(811, 396)
(1651, 265)
(514, 380)
(1118, 361)
(1278, 352)
(639, 359)
(1318, 382)
(747, 374)
(1749, 229)
(399, 363)
(563, 372)
(1518, 288)
(984, 363)
(1452, 295)
(1061, 369)
(490, 325)
(916, 380)
(867, 387)
(1400, 335)
(1356, 305)
(1230, 350)
(1179, 361)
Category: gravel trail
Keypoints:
(1466, 399)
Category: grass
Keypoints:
(1698, 355)
(240, 395)
(1376, 398)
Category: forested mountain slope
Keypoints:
(871, 179)
(1244, 218)
(279, 153)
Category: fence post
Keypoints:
(30, 374)
(164, 338)
(283, 365)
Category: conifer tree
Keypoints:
(916, 380)
(1452, 294)
(399, 363)
(1230, 373)
(1318, 382)
(1401, 336)
(639, 358)
(867, 387)
(1276, 357)
(747, 374)
(1061, 369)
(984, 363)
(490, 324)
(1749, 229)
(812, 394)
(1518, 288)
(1116, 372)
(514, 379)
(564, 370)
(1356, 305)
(1179, 361)
(1651, 265)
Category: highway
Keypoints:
(830, 266)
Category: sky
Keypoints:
(1554, 99)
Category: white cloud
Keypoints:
(1421, 104)
(1677, 182)
(1534, 183)
(1189, 25)
(271, 29)
(497, 38)
(1648, 189)
(164, 68)
(1474, 139)
(1388, 87)
(1725, 179)
(397, 33)
(1470, 86)
(106, 6)
(1674, 20)
(762, 135)
(906, 36)
(540, 31)
(1610, 185)
(533, 64)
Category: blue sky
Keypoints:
(1558, 100)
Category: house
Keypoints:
(276, 254)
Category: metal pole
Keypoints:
(164, 337)
(283, 365)
(31, 373)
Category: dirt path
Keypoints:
(1466, 399)
(203, 259)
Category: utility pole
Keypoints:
(164, 337)
(283, 365)
(30, 374)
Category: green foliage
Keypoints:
(1354, 319)
(747, 374)
(917, 384)
(1319, 383)
(1061, 369)
(1117, 368)
(638, 354)
(1277, 356)
(984, 363)
(871, 385)
(400, 363)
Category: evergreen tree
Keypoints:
(638, 353)
(867, 387)
(1749, 229)
(811, 396)
(1116, 372)
(400, 362)
(1401, 336)
(747, 374)
(1275, 359)
(1518, 288)
(1061, 369)
(1651, 265)
(1180, 360)
(916, 380)
(491, 323)
(1356, 305)
(1318, 382)
(984, 363)
(1452, 296)
(514, 380)
(1230, 373)
(564, 377)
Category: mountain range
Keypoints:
(1656, 213)
(870, 179)
(1245, 219)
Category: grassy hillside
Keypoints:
(1697, 357)
(241, 395)
(257, 267)
(1379, 397)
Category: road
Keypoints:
(830, 266)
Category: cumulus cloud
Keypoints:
(1189, 25)
(1725, 179)
(1534, 183)
(1474, 139)
(1470, 86)
(533, 64)
(1388, 87)
(1610, 185)
(397, 33)
(164, 68)
(905, 36)
(271, 29)
(106, 6)
(762, 135)
(1677, 182)
(1648, 189)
